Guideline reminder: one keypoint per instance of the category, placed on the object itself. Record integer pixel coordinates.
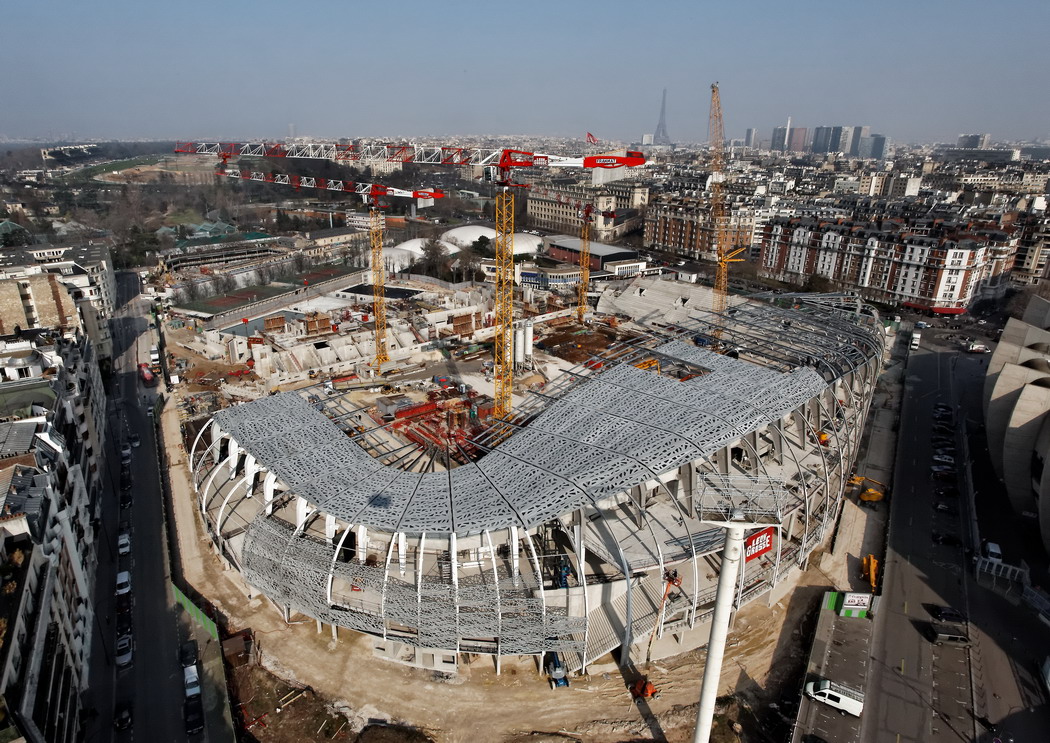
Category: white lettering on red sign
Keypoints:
(758, 544)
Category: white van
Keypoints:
(838, 696)
(992, 552)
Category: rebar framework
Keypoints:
(375, 234)
(504, 347)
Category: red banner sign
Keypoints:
(758, 544)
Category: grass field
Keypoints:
(238, 298)
(320, 273)
(93, 170)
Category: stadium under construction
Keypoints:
(584, 523)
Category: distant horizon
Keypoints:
(124, 71)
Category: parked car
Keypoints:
(947, 614)
(134, 440)
(123, 543)
(944, 508)
(125, 480)
(948, 540)
(941, 468)
(125, 650)
(125, 500)
(191, 681)
(193, 715)
(122, 715)
(947, 491)
(123, 582)
(945, 451)
(188, 654)
(123, 606)
(943, 459)
(944, 474)
(125, 453)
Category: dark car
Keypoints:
(947, 614)
(193, 715)
(943, 441)
(948, 540)
(944, 508)
(941, 469)
(947, 491)
(188, 653)
(125, 481)
(125, 500)
(123, 603)
(122, 715)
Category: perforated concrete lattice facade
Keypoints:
(558, 535)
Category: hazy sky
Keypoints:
(916, 70)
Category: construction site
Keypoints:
(466, 473)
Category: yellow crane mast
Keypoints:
(504, 349)
(719, 217)
(375, 234)
(585, 261)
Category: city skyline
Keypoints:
(249, 70)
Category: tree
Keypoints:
(435, 258)
(468, 262)
(299, 261)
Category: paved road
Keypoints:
(153, 683)
(918, 691)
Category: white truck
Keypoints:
(916, 336)
(842, 698)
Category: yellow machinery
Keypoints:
(719, 217)
(869, 569)
(504, 349)
(375, 233)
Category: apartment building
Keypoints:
(682, 225)
(46, 277)
(52, 434)
(934, 266)
(618, 208)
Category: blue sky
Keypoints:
(923, 70)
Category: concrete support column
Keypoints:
(269, 485)
(515, 553)
(722, 460)
(716, 646)
(687, 487)
(362, 543)
(638, 498)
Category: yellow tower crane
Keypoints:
(504, 349)
(375, 234)
(585, 261)
(719, 217)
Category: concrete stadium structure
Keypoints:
(1017, 412)
(561, 530)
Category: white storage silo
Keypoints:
(519, 345)
(528, 339)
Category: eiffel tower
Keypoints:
(660, 137)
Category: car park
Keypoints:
(125, 651)
(123, 582)
(123, 543)
(947, 614)
(188, 654)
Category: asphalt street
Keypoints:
(919, 691)
(152, 683)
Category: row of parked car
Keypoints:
(192, 708)
(948, 625)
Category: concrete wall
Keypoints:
(1026, 420)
